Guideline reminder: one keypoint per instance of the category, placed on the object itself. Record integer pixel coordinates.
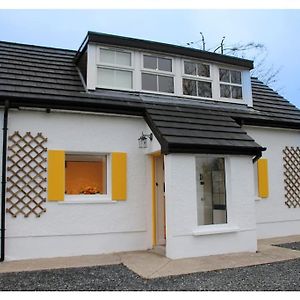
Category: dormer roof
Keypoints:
(121, 41)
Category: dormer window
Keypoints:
(196, 80)
(230, 84)
(114, 69)
(157, 74)
(132, 69)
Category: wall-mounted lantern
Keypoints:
(143, 143)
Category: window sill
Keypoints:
(215, 229)
(87, 199)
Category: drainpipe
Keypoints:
(3, 183)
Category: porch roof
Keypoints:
(181, 129)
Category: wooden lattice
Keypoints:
(291, 166)
(26, 181)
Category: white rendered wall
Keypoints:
(184, 237)
(76, 229)
(274, 217)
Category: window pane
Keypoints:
(211, 191)
(189, 87)
(165, 64)
(123, 58)
(85, 174)
(106, 77)
(203, 70)
(149, 82)
(107, 56)
(150, 62)
(123, 79)
(166, 84)
(204, 89)
(224, 75)
(236, 92)
(190, 68)
(225, 91)
(236, 77)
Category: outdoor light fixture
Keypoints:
(143, 140)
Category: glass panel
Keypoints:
(123, 58)
(190, 68)
(211, 192)
(106, 77)
(236, 92)
(85, 174)
(225, 91)
(189, 87)
(166, 84)
(123, 79)
(165, 64)
(224, 75)
(149, 82)
(204, 89)
(203, 70)
(150, 62)
(107, 56)
(236, 77)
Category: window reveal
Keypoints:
(211, 191)
(85, 174)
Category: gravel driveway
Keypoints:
(276, 276)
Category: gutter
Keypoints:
(3, 183)
(258, 156)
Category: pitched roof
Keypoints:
(47, 77)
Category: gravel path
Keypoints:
(276, 276)
(294, 245)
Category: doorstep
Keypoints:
(149, 264)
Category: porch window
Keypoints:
(85, 174)
(211, 191)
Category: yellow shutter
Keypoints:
(263, 180)
(119, 175)
(56, 175)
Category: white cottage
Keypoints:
(129, 144)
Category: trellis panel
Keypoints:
(26, 181)
(291, 167)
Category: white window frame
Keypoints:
(236, 100)
(117, 67)
(230, 226)
(157, 72)
(197, 77)
(97, 198)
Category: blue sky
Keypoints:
(278, 30)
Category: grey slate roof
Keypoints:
(186, 129)
(43, 76)
(48, 77)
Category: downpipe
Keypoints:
(3, 183)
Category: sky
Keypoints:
(277, 30)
